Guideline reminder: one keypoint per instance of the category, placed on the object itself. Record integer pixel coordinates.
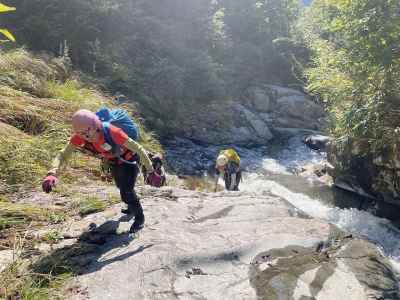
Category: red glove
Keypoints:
(49, 182)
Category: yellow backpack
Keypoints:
(231, 155)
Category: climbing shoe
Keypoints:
(137, 224)
(126, 211)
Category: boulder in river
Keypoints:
(316, 142)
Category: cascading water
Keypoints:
(271, 169)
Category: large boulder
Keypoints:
(316, 142)
(256, 122)
(289, 108)
(222, 123)
(281, 110)
(299, 112)
(359, 168)
(260, 99)
(281, 91)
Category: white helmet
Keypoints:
(222, 160)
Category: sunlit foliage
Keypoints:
(356, 66)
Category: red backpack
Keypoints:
(156, 178)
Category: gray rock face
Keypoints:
(280, 91)
(228, 245)
(256, 122)
(280, 110)
(259, 99)
(367, 172)
(298, 112)
(260, 114)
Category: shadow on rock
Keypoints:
(354, 265)
(87, 255)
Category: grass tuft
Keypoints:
(26, 161)
(21, 71)
(18, 214)
(90, 205)
(52, 236)
(72, 92)
(18, 282)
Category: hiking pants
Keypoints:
(228, 180)
(125, 176)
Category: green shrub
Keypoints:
(355, 67)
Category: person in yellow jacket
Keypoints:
(228, 164)
(90, 138)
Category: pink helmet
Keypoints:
(85, 121)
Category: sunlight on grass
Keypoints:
(15, 214)
(90, 205)
(26, 161)
(19, 283)
(52, 236)
(71, 91)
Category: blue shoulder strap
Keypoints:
(107, 134)
(115, 148)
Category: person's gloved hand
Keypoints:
(49, 183)
(149, 170)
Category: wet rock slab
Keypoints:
(230, 246)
